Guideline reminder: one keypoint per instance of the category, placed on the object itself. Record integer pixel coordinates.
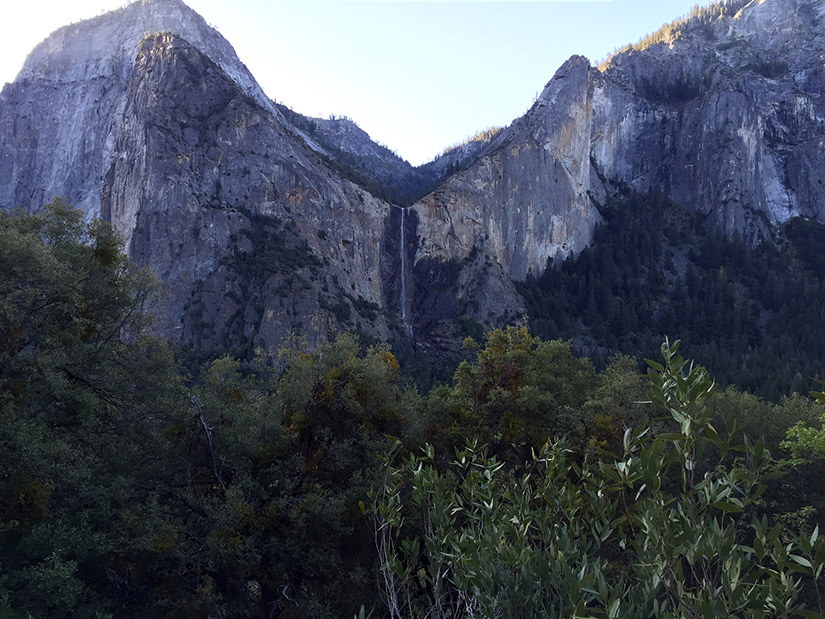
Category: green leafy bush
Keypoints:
(642, 533)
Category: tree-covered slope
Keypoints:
(752, 314)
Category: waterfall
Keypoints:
(407, 326)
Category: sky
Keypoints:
(418, 76)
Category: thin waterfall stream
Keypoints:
(407, 326)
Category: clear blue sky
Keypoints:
(417, 76)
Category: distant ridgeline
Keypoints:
(697, 18)
(753, 315)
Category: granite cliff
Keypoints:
(263, 238)
(726, 117)
(60, 118)
(723, 112)
(167, 136)
(262, 222)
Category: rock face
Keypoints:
(724, 113)
(526, 200)
(727, 119)
(60, 118)
(173, 142)
(263, 239)
(262, 222)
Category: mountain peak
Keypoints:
(84, 71)
(107, 45)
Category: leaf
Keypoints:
(670, 436)
(656, 366)
(727, 507)
(801, 560)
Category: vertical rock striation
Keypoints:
(526, 200)
(727, 119)
(250, 231)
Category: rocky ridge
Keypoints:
(355, 155)
(262, 222)
(60, 118)
(254, 235)
(723, 114)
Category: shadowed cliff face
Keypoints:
(252, 234)
(171, 139)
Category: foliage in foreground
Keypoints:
(128, 489)
(672, 527)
